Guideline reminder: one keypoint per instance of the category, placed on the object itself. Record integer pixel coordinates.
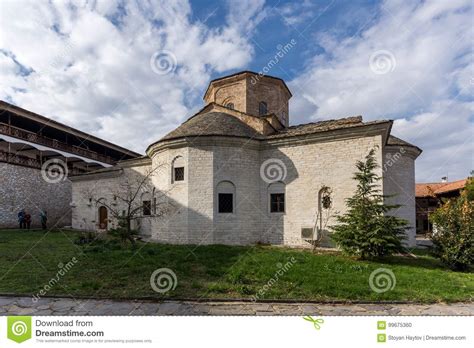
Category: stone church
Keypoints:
(238, 173)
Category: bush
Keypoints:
(86, 238)
(453, 238)
(366, 230)
(103, 245)
(123, 232)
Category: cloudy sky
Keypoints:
(130, 71)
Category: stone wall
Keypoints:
(248, 91)
(399, 181)
(309, 168)
(90, 194)
(270, 92)
(232, 93)
(24, 188)
(239, 165)
(191, 205)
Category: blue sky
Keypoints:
(131, 71)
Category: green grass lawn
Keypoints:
(28, 260)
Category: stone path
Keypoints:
(66, 306)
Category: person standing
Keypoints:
(27, 220)
(21, 218)
(44, 219)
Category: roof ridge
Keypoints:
(351, 119)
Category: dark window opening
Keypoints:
(433, 203)
(262, 108)
(179, 174)
(230, 106)
(277, 203)
(226, 203)
(146, 208)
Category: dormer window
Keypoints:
(230, 106)
(262, 108)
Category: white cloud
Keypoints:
(87, 64)
(429, 90)
(91, 63)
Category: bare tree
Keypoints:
(127, 205)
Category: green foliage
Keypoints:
(454, 230)
(366, 230)
(470, 189)
(86, 238)
(123, 232)
(217, 271)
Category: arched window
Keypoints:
(178, 170)
(225, 197)
(230, 106)
(262, 108)
(276, 196)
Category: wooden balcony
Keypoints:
(26, 161)
(52, 143)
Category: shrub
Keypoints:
(123, 232)
(453, 238)
(366, 230)
(86, 238)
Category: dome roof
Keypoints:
(212, 123)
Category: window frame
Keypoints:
(174, 174)
(262, 108)
(278, 204)
(146, 207)
(219, 194)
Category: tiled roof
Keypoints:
(221, 123)
(212, 123)
(436, 188)
(393, 140)
(322, 126)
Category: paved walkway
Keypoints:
(65, 306)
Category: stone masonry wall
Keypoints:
(25, 188)
(86, 193)
(192, 216)
(273, 94)
(308, 168)
(399, 181)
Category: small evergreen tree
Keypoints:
(366, 230)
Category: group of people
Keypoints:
(24, 219)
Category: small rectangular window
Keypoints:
(277, 203)
(146, 208)
(226, 203)
(179, 174)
